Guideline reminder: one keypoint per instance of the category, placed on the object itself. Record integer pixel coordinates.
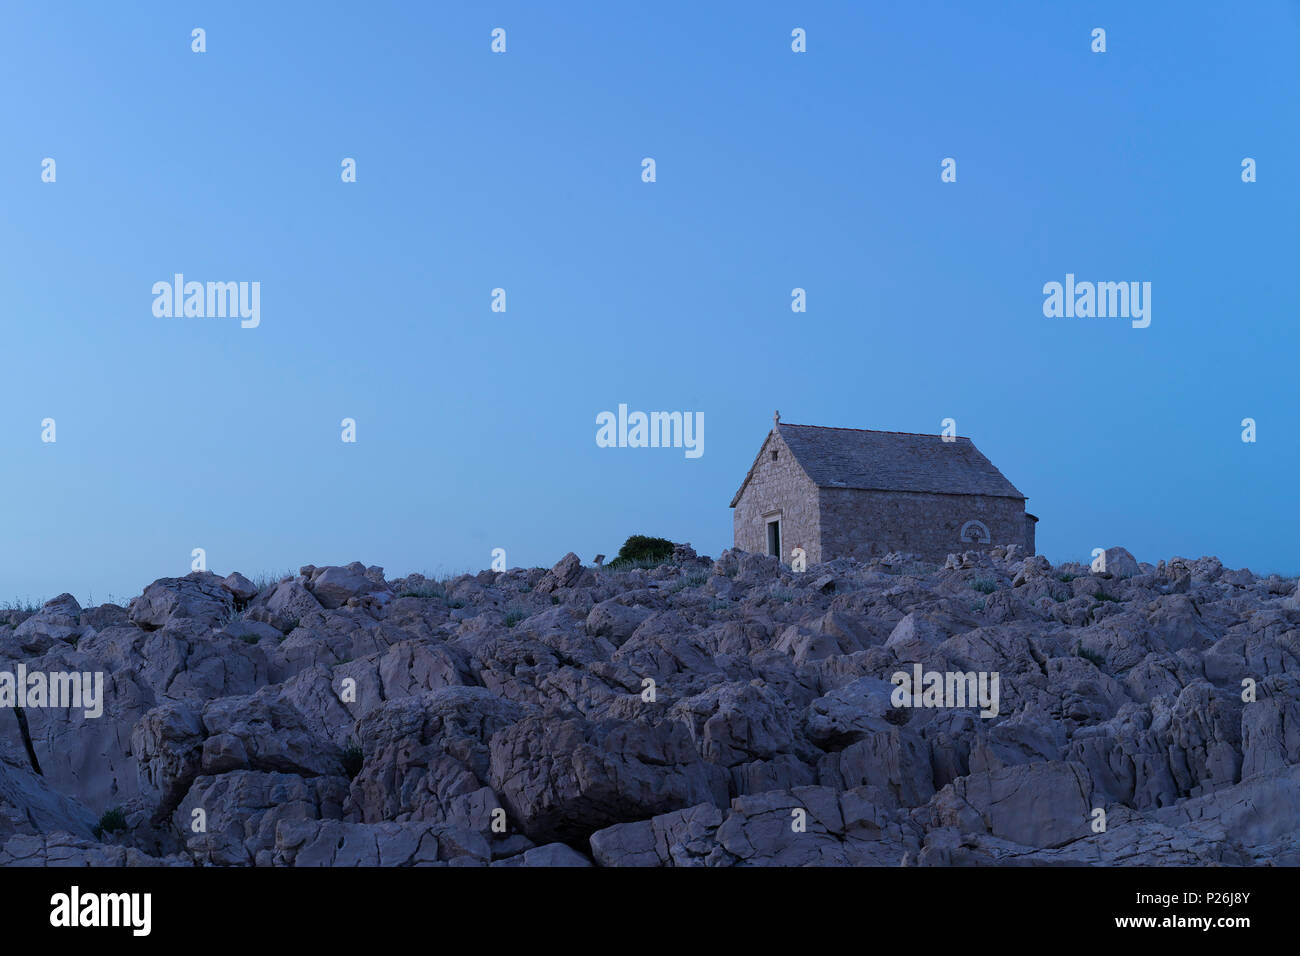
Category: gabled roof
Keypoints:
(890, 461)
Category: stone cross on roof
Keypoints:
(776, 417)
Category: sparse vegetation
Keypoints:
(25, 606)
(112, 821)
(985, 585)
(353, 758)
(264, 579)
(514, 615)
(432, 591)
(692, 579)
(428, 592)
(623, 566)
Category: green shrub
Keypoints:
(514, 616)
(353, 758)
(1100, 596)
(985, 585)
(111, 821)
(639, 548)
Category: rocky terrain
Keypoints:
(694, 713)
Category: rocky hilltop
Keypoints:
(699, 712)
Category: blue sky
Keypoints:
(522, 171)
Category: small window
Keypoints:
(774, 454)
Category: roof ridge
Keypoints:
(874, 431)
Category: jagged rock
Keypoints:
(336, 843)
(336, 586)
(1038, 805)
(728, 713)
(65, 850)
(567, 573)
(684, 553)
(59, 619)
(240, 812)
(193, 605)
(564, 779)
(1120, 564)
(615, 621)
(240, 587)
(30, 806)
(553, 854)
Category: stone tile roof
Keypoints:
(893, 461)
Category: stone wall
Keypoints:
(778, 486)
(863, 524)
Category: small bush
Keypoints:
(353, 758)
(110, 822)
(433, 592)
(1100, 596)
(621, 567)
(428, 592)
(640, 547)
(514, 616)
(985, 586)
(1066, 577)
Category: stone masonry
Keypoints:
(839, 492)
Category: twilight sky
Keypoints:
(522, 171)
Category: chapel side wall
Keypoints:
(782, 486)
(865, 524)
